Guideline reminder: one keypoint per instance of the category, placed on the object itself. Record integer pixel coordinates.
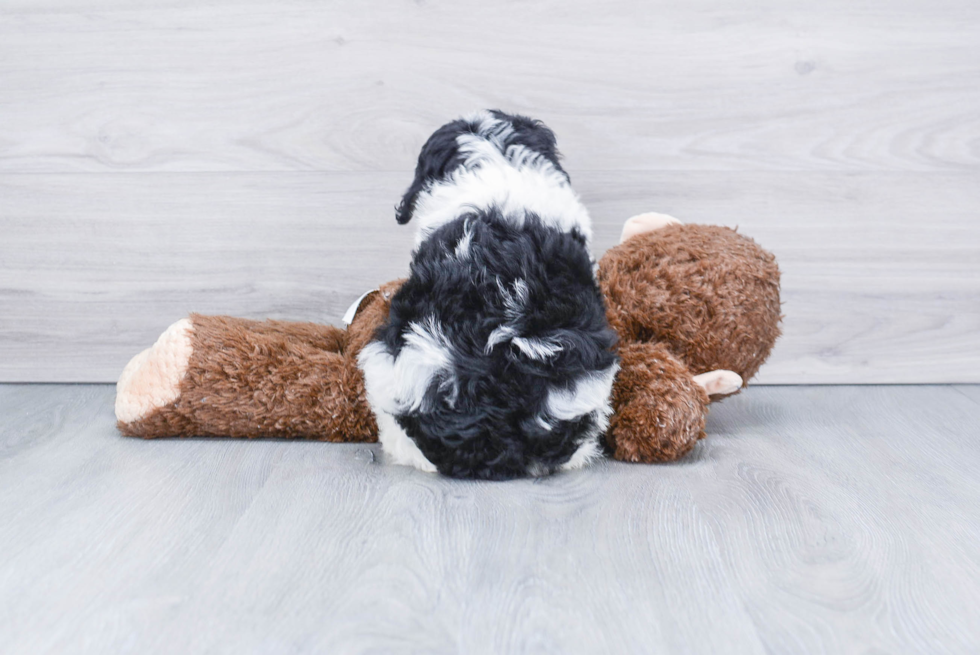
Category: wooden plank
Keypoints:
(268, 85)
(881, 271)
(94, 267)
(812, 519)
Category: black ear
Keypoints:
(532, 134)
(439, 157)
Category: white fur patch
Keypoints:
(515, 304)
(588, 452)
(490, 126)
(500, 335)
(396, 385)
(540, 349)
(514, 192)
(515, 181)
(591, 393)
(463, 245)
(399, 446)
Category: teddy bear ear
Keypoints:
(719, 382)
(647, 222)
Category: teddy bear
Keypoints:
(696, 309)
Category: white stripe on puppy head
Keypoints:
(593, 391)
(540, 349)
(516, 181)
(399, 384)
(590, 393)
(514, 193)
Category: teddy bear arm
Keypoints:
(720, 382)
(658, 407)
(230, 377)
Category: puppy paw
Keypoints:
(648, 222)
(151, 379)
(720, 382)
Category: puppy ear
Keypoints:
(439, 157)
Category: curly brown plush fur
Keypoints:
(272, 379)
(658, 409)
(709, 294)
(267, 364)
(684, 299)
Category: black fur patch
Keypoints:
(482, 418)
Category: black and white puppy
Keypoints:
(496, 360)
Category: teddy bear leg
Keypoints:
(228, 377)
(658, 407)
(647, 222)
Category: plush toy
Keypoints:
(696, 309)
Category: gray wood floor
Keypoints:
(243, 156)
(812, 520)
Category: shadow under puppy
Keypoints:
(496, 360)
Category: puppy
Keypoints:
(496, 360)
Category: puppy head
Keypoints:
(496, 360)
(472, 141)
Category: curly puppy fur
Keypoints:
(271, 379)
(496, 360)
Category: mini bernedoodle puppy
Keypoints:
(496, 360)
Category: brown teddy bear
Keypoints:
(696, 309)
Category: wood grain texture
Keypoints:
(881, 271)
(812, 520)
(258, 85)
(242, 156)
(971, 391)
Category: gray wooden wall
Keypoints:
(244, 156)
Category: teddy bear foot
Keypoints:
(151, 379)
(720, 382)
(647, 222)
